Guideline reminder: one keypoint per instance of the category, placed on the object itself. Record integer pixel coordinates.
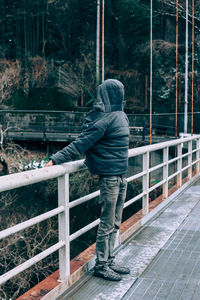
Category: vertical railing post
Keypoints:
(179, 166)
(197, 155)
(63, 223)
(145, 202)
(165, 172)
(190, 159)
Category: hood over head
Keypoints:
(110, 96)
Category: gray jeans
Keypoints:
(112, 197)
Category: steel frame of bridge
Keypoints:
(191, 163)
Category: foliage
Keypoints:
(42, 99)
(133, 21)
(10, 78)
(52, 44)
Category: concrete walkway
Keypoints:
(164, 258)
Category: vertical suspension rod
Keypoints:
(151, 48)
(98, 43)
(176, 118)
(186, 72)
(192, 116)
(103, 12)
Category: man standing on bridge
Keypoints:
(105, 141)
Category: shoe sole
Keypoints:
(106, 278)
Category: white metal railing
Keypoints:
(62, 172)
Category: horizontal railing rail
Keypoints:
(17, 180)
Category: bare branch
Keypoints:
(182, 11)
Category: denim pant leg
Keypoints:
(112, 195)
(118, 216)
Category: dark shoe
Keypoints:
(106, 273)
(119, 269)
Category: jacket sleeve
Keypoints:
(81, 145)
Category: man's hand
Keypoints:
(49, 164)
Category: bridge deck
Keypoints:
(164, 258)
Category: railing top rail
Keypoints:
(12, 181)
(158, 146)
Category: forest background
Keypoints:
(48, 61)
(48, 53)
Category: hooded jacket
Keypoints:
(105, 134)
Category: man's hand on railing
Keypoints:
(49, 164)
